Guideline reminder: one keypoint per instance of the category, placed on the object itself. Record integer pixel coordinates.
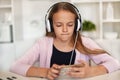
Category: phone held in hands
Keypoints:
(64, 71)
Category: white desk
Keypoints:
(111, 76)
(5, 75)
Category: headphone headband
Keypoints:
(48, 22)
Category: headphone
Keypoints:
(78, 24)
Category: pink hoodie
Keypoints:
(42, 51)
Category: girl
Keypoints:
(64, 45)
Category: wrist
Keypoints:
(43, 72)
(97, 70)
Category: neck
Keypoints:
(63, 45)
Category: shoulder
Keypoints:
(44, 39)
(42, 43)
(89, 43)
(86, 40)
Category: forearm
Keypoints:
(37, 72)
(97, 70)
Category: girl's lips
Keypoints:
(64, 34)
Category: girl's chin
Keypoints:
(65, 39)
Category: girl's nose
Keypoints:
(65, 28)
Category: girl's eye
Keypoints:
(58, 25)
(70, 25)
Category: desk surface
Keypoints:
(11, 76)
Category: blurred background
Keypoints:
(22, 22)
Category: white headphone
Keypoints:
(48, 23)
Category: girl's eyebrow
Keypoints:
(58, 22)
(67, 22)
(71, 22)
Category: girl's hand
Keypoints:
(80, 71)
(53, 72)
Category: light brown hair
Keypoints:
(79, 45)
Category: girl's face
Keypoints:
(63, 24)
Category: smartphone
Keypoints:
(64, 71)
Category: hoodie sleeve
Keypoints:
(21, 65)
(104, 59)
(110, 63)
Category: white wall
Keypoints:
(33, 18)
(34, 12)
(7, 56)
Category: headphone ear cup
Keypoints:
(48, 26)
(78, 25)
